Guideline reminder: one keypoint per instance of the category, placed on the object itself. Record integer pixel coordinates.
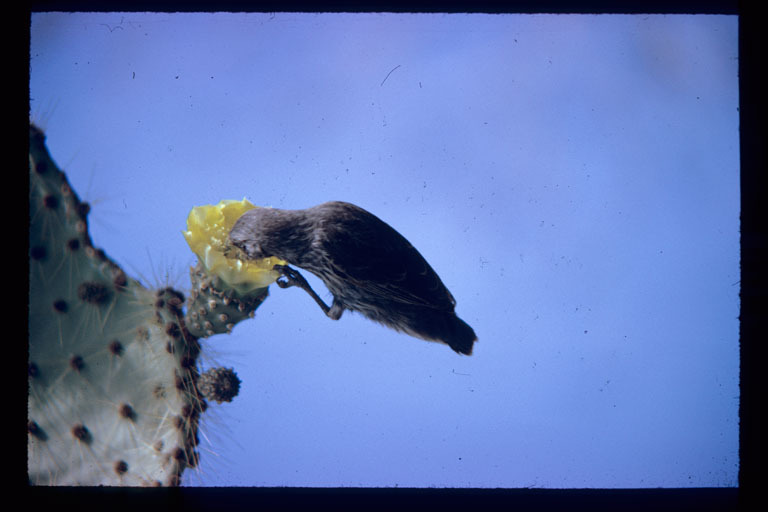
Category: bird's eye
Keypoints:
(253, 250)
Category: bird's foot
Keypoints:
(289, 277)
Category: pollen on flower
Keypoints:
(207, 234)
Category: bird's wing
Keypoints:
(374, 257)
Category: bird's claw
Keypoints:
(292, 277)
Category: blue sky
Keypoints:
(574, 180)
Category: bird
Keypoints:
(365, 263)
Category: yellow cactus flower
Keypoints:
(207, 233)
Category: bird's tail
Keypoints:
(460, 336)
(434, 325)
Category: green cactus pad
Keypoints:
(112, 367)
(215, 308)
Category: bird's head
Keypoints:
(264, 232)
(251, 233)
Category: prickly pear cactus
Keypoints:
(115, 394)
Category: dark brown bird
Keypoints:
(367, 266)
